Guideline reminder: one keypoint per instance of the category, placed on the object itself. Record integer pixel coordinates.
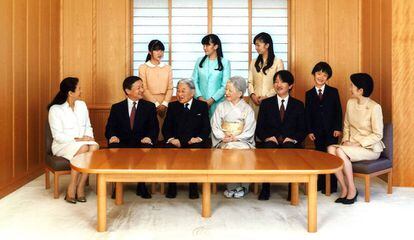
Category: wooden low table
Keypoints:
(207, 166)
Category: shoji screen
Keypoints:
(181, 24)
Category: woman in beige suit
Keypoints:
(157, 79)
(262, 71)
(362, 134)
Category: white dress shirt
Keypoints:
(130, 105)
(322, 88)
(279, 101)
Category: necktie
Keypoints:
(320, 95)
(282, 111)
(186, 107)
(132, 116)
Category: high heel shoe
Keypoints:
(350, 201)
(80, 199)
(340, 200)
(70, 200)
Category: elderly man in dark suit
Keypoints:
(186, 125)
(133, 123)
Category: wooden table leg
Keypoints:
(206, 207)
(312, 203)
(101, 203)
(294, 200)
(328, 185)
(214, 188)
(119, 194)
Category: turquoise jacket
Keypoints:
(211, 83)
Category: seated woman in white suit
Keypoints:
(72, 133)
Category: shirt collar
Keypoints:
(317, 89)
(279, 99)
(149, 64)
(285, 103)
(130, 102)
(189, 103)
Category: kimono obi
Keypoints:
(234, 128)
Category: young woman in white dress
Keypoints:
(72, 133)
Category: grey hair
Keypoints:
(239, 83)
(187, 81)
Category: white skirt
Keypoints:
(356, 154)
(70, 149)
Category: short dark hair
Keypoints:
(324, 67)
(127, 84)
(364, 81)
(285, 76)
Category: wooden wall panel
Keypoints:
(343, 50)
(99, 117)
(386, 62)
(112, 50)
(402, 89)
(20, 87)
(376, 50)
(6, 83)
(308, 41)
(77, 52)
(33, 84)
(45, 68)
(27, 73)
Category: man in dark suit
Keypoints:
(133, 123)
(323, 115)
(281, 121)
(186, 125)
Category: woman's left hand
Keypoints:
(229, 138)
(210, 102)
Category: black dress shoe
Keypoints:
(289, 197)
(265, 192)
(193, 191)
(113, 194)
(172, 190)
(351, 201)
(143, 191)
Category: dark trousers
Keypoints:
(140, 185)
(283, 145)
(203, 144)
(322, 142)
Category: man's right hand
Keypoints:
(311, 136)
(114, 139)
(175, 142)
(272, 139)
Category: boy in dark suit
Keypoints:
(323, 115)
(281, 121)
(187, 125)
(133, 123)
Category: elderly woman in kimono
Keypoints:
(233, 126)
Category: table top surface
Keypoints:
(206, 161)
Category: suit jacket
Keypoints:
(184, 125)
(323, 117)
(145, 123)
(269, 123)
